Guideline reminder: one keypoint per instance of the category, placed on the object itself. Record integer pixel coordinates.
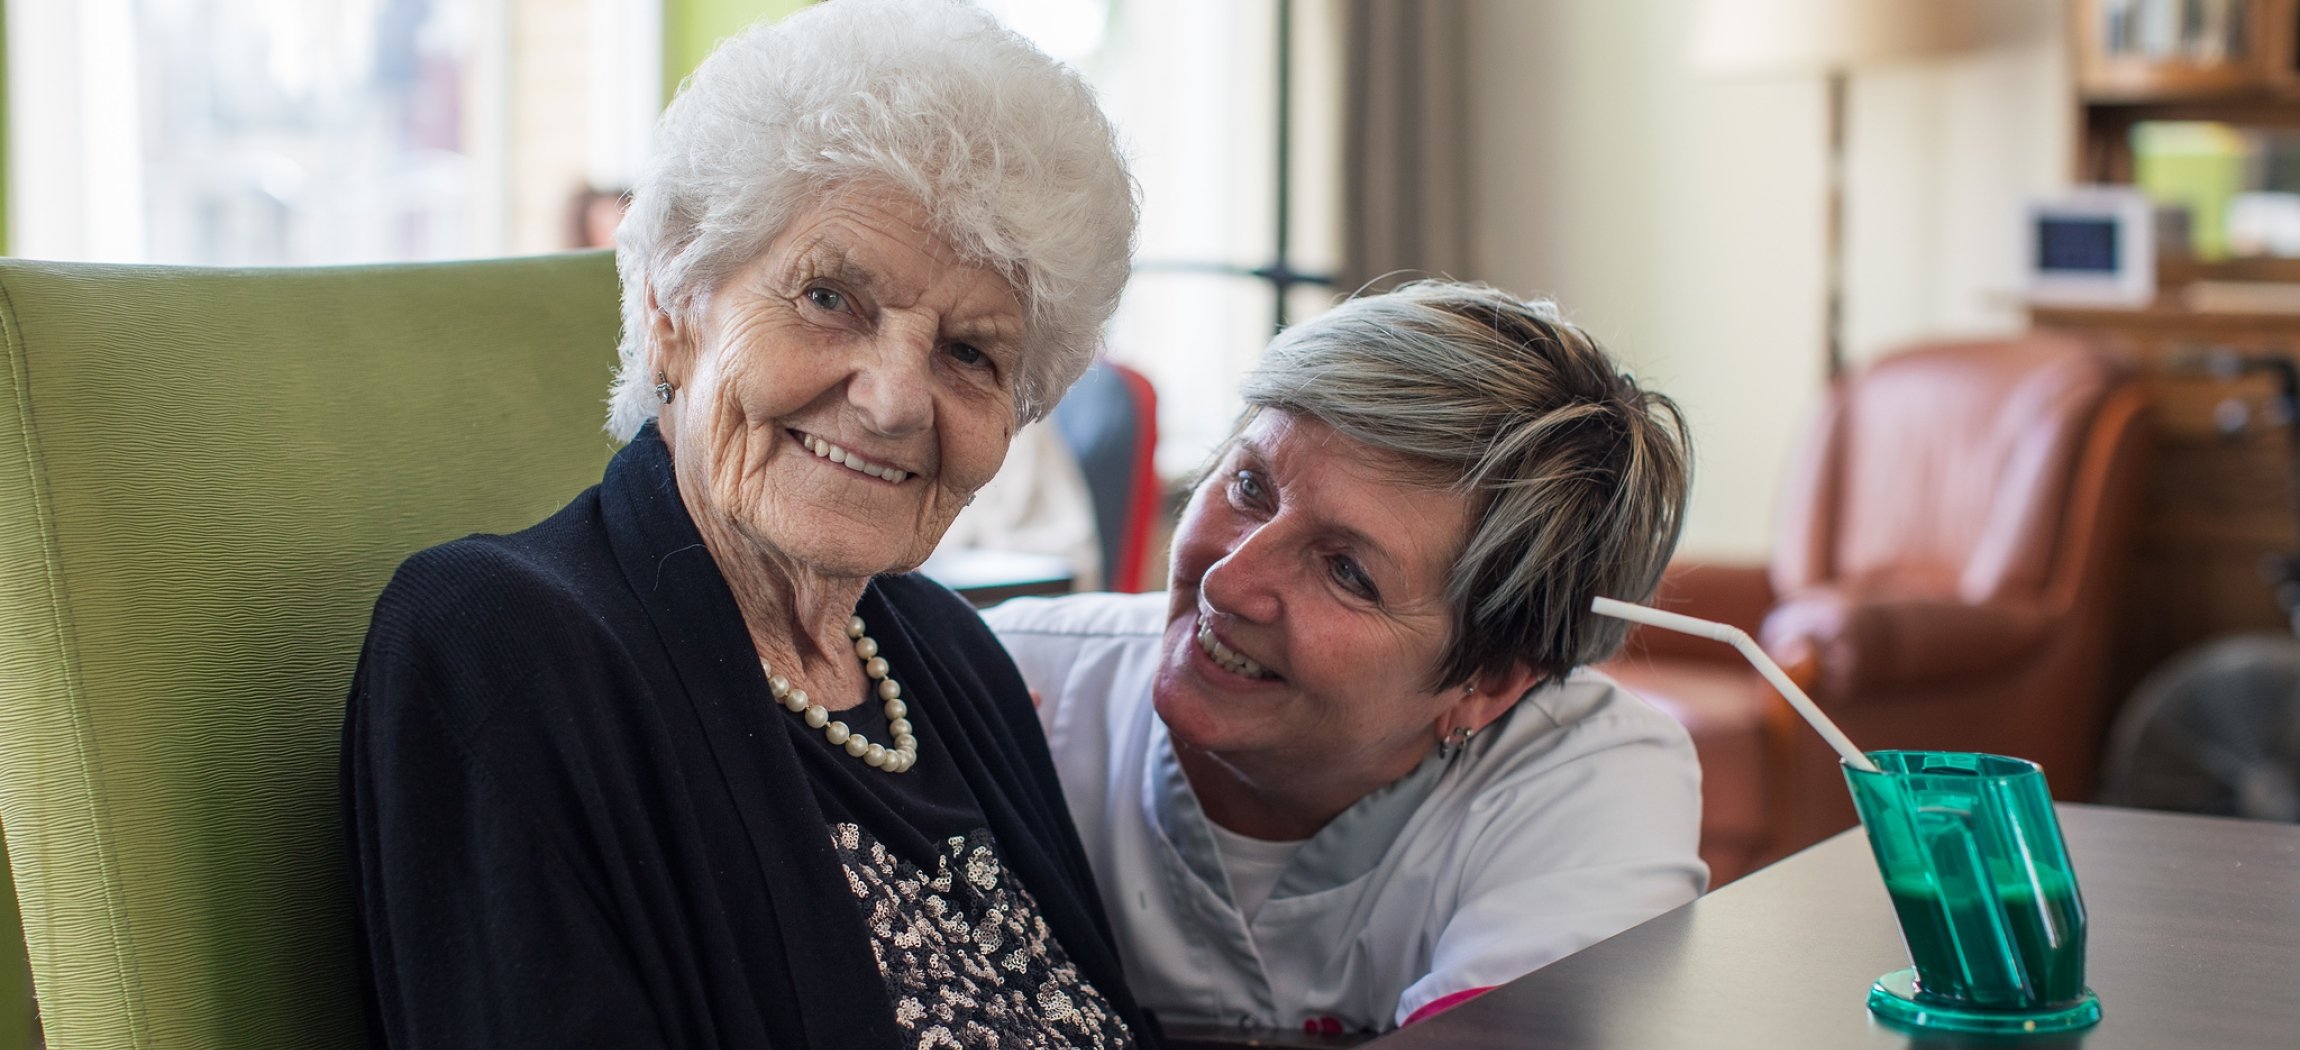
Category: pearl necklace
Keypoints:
(904, 753)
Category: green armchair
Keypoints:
(205, 478)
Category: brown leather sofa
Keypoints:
(1943, 577)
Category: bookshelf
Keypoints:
(2150, 51)
(2219, 501)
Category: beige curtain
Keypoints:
(1404, 147)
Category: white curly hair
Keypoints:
(1003, 147)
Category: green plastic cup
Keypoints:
(1973, 861)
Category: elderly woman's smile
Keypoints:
(853, 461)
(843, 396)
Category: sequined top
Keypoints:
(967, 957)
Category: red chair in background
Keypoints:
(1110, 423)
(1943, 577)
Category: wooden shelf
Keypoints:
(2251, 53)
(2136, 81)
(2253, 81)
(2168, 320)
(2216, 505)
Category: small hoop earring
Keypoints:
(664, 391)
(1454, 743)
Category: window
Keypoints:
(253, 132)
(256, 132)
(1193, 86)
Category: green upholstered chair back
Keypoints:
(206, 476)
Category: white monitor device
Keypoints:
(2092, 246)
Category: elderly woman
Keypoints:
(1351, 767)
(691, 763)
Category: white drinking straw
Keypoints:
(1739, 639)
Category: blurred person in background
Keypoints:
(1038, 504)
(593, 213)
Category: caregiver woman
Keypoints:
(1351, 767)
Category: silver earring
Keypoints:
(664, 391)
(1454, 742)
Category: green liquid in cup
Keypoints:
(1973, 862)
(2045, 929)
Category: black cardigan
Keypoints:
(576, 819)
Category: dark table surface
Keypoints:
(2194, 942)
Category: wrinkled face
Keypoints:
(841, 398)
(1307, 605)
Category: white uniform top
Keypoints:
(1573, 818)
(1253, 866)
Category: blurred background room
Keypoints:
(1583, 150)
(1983, 313)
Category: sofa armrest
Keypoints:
(1740, 595)
(1863, 645)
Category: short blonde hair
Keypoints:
(1578, 476)
(1002, 146)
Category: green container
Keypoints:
(2196, 165)
(1973, 860)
